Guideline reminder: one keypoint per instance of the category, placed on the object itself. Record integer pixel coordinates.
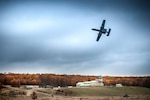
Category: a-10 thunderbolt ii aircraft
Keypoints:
(102, 31)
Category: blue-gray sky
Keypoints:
(55, 36)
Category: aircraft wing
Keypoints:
(103, 24)
(98, 37)
(95, 29)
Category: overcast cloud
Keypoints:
(55, 36)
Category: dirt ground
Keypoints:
(10, 93)
(141, 97)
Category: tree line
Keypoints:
(15, 79)
(143, 81)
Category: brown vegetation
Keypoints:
(68, 80)
(143, 81)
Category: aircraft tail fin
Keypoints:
(108, 32)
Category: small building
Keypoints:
(119, 85)
(97, 82)
(31, 86)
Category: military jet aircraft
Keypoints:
(102, 31)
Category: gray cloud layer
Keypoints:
(56, 37)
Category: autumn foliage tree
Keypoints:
(15, 82)
(69, 80)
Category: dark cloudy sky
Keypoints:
(55, 36)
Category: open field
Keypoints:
(110, 91)
(86, 93)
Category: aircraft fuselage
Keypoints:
(102, 31)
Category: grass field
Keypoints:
(109, 91)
